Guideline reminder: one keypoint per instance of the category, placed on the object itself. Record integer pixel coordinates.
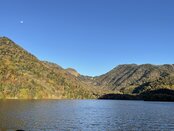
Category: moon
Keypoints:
(21, 21)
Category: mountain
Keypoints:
(24, 76)
(132, 78)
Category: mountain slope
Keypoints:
(22, 75)
(126, 78)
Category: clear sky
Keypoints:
(92, 36)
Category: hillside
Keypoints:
(137, 78)
(22, 75)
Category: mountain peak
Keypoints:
(4, 37)
(6, 40)
(9, 49)
(128, 65)
(72, 72)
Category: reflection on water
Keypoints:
(85, 115)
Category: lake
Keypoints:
(85, 115)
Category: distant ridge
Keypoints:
(132, 78)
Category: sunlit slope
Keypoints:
(22, 75)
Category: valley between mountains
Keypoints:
(24, 76)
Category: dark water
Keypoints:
(85, 115)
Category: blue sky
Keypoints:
(92, 36)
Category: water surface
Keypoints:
(85, 115)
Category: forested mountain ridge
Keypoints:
(23, 76)
(132, 78)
